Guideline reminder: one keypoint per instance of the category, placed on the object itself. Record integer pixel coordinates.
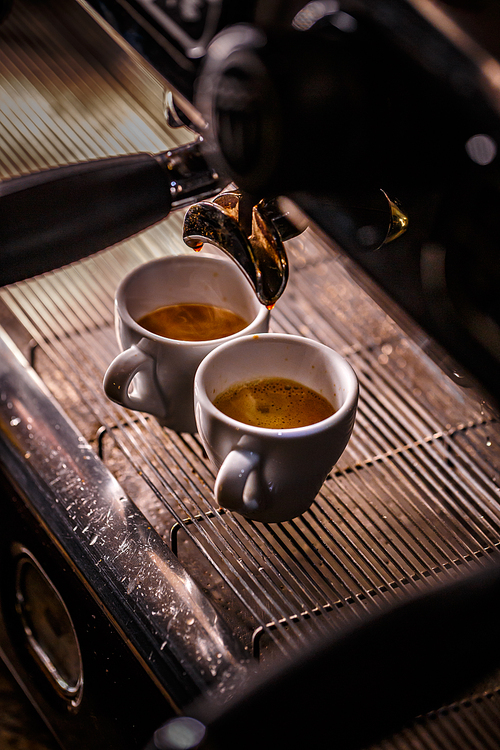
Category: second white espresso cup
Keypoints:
(153, 373)
(268, 474)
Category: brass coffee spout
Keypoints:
(252, 235)
(398, 221)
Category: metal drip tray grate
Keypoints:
(415, 495)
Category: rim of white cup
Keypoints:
(337, 416)
(127, 318)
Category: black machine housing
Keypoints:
(331, 103)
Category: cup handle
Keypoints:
(122, 371)
(232, 481)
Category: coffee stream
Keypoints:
(193, 322)
(275, 403)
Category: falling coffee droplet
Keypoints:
(198, 247)
(271, 305)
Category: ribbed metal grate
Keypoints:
(416, 494)
(471, 724)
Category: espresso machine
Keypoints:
(336, 137)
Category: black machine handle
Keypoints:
(362, 683)
(60, 215)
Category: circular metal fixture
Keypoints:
(50, 634)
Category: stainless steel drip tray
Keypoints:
(412, 502)
(414, 496)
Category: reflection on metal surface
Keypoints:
(443, 20)
(252, 235)
(110, 541)
(398, 224)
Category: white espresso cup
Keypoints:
(153, 373)
(269, 474)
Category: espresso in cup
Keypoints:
(274, 403)
(274, 414)
(169, 314)
(193, 321)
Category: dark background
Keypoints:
(20, 726)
